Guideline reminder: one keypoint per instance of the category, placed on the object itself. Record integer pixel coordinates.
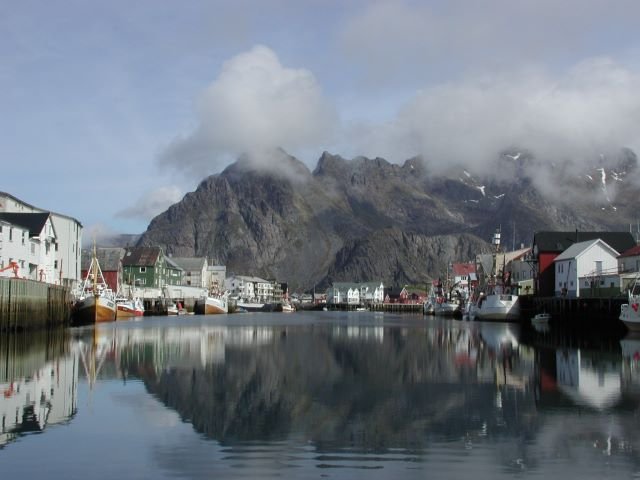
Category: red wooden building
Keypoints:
(110, 261)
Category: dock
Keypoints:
(29, 304)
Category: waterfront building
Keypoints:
(629, 260)
(548, 245)
(590, 267)
(216, 275)
(195, 271)
(252, 288)
(464, 277)
(68, 232)
(372, 292)
(149, 267)
(30, 240)
(344, 292)
(110, 261)
(396, 295)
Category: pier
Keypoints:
(378, 307)
(574, 309)
(28, 304)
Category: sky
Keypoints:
(111, 111)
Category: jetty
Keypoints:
(29, 304)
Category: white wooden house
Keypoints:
(629, 261)
(195, 271)
(343, 292)
(30, 240)
(586, 265)
(68, 238)
(372, 292)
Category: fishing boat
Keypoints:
(500, 301)
(94, 300)
(128, 307)
(630, 311)
(216, 301)
(287, 308)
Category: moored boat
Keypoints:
(499, 301)
(94, 300)
(630, 311)
(216, 303)
(129, 307)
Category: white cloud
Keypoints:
(591, 109)
(255, 104)
(152, 203)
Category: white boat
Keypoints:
(499, 307)
(287, 307)
(94, 300)
(214, 304)
(499, 303)
(173, 309)
(630, 311)
(446, 308)
(251, 306)
(541, 319)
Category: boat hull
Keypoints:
(215, 305)
(94, 309)
(499, 308)
(125, 311)
(630, 314)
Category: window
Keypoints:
(611, 285)
(571, 283)
(598, 266)
(33, 248)
(55, 264)
(143, 269)
(10, 234)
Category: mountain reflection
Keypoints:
(365, 386)
(343, 385)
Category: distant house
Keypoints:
(464, 276)
(586, 267)
(629, 260)
(216, 275)
(253, 288)
(30, 240)
(344, 292)
(371, 292)
(195, 271)
(396, 295)
(110, 261)
(548, 245)
(149, 267)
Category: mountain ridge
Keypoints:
(369, 219)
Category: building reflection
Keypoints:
(38, 381)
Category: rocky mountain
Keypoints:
(367, 219)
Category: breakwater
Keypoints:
(26, 304)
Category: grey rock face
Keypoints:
(367, 219)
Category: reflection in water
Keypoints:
(38, 381)
(376, 393)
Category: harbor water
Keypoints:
(318, 395)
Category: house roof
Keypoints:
(34, 222)
(8, 195)
(460, 269)
(169, 261)
(557, 242)
(632, 252)
(108, 258)
(577, 249)
(193, 264)
(141, 256)
(394, 292)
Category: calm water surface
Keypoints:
(318, 395)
